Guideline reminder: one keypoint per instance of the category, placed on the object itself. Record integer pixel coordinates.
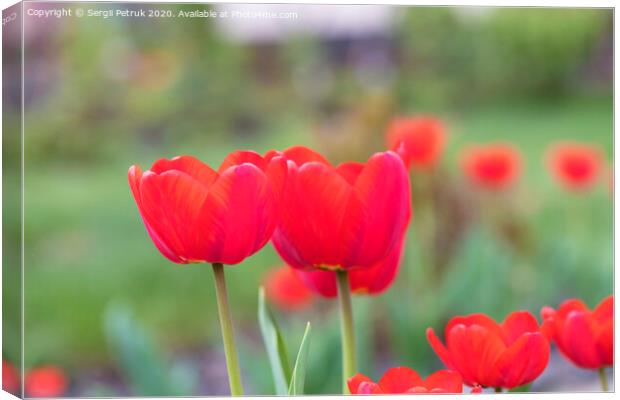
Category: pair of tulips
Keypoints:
(327, 221)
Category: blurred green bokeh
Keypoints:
(103, 94)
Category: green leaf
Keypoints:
(276, 348)
(521, 389)
(299, 372)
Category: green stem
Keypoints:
(346, 326)
(232, 364)
(498, 390)
(603, 377)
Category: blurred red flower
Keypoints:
(344, 217)
(492, 355)
(576, 166)
(285, 289)
(493, 166)
(584, 337)
(419, 140)
(405, 380)
(45, 381)
(10, 378)
(196, 214)
(372, 281)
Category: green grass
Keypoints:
(86, 247)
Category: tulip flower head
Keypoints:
(489, 354)
(575, 166)
(584, 336)
(362, 281)
(10, 378)
(285, 289)
(493, 166)
(345, 217)
(418, 140)
(403, 380)
(45, 381)
(196, 214)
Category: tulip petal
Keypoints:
(171, 203)
(240, 157)
(189, 165)
(439, 348)
(276, 172)
(374, 280)
(350, 171)
(369, 388)
(238, 215)
(417, 390)
(474, 351)
(355, 381)
(399, 379)
(579, 342)
(571, 305)
(135, 175)
(524, 360)
(604, 311)
(302, 155)
(320, 281)
(383, 204)
(474, 319)
(605, 342)
(314, 206)
(518, 323)
(448, 381)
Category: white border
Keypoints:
(483, 3)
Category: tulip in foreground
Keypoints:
(576, 166)
(419, 140)
(403, 380)
(285, 289)
(493, 166)
(45, 381)
(488, 354)
(584, 336)
(341, 218)
(195, 214)
(344, 218)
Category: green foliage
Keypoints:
(287, 380)
(276, 348)
(141, 362)
(298, 377)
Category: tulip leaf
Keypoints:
(521, 389)
(276, 348)
(299, 371)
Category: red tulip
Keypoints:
(584, 337)
(196, 214)
(47, 381)
(492, 355)
(344, 217)
(576, 166)
(286, 290)
(494, 166)
(418, 140)
(10, 378)
(405, 380)
(373, 281)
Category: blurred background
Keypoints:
(102, 94)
